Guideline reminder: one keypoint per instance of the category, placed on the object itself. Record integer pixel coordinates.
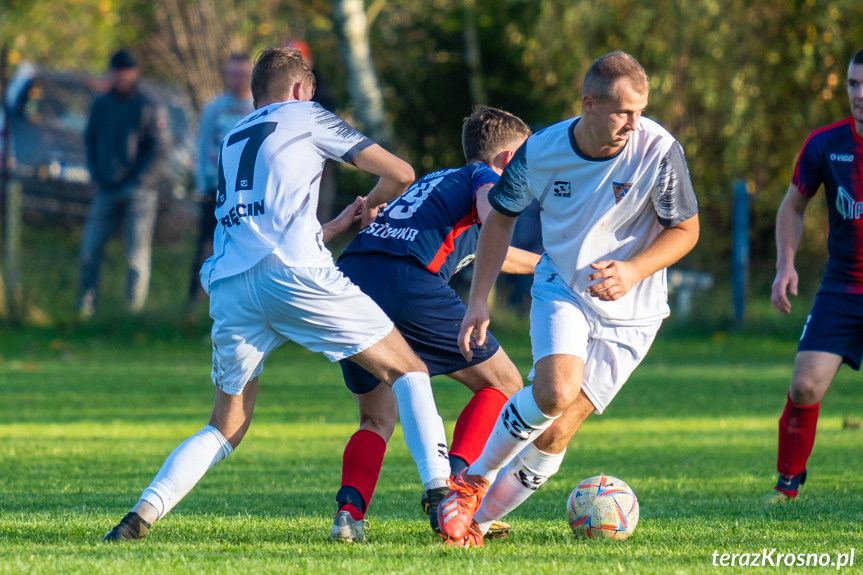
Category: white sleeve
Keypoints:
(334, 137)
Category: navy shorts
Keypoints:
(835, 325)
(424, 308)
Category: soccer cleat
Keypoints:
(424, 502)
(498, 530)
(776, 497)
(431, 501)
(455, 513)
(347, 529)
(473, 538)
(130, 528)
(786, 490)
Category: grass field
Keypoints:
(86, 422)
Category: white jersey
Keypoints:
(270, 168)
(601, 208)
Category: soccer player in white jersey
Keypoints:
(617, 209)
(272, 280)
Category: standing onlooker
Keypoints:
(218, 117)
(127, 140)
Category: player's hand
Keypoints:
(616, 279)
(350, 215)
(473, 329)
(343, 222)
(370, 214)
(786, 279)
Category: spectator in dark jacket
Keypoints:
(127, 141)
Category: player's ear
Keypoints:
(587, 103)
(503, 158)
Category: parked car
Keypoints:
(46, 114)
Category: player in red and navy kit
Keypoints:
(403, 261)
(833, 334)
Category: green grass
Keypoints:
(85, 422)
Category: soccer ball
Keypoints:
(602, 506)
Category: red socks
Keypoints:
(475, 423)
(361, 466)
(796, 437)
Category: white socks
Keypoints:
(423, 428)
(519, 424)
(183, 469)
(516, 482)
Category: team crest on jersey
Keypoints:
(620, 191)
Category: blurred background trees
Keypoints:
(740, 83)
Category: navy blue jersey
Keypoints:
(435, 221)
(833, 156)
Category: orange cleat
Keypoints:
(474, 538)
(455, 513)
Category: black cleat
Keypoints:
(430, 501)
(130, 528)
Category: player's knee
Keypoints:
(384, 425)
(804, 390)
(554, 400)
(509, 385)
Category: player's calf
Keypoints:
(183, 468)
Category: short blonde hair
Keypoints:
(276, 70)
(606, 70)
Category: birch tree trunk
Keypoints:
(472, 55)
(351, 27)
(193, 37)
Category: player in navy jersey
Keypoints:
(404, 260)
(833, 334)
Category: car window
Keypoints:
(57, 106)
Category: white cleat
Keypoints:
(347, 530)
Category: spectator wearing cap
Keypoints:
(127, 141)
(218, 117)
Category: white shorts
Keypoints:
(561, 324)
(260, 309)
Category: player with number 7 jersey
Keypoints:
(271, 278)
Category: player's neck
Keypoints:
(588, 144)
(858, 127)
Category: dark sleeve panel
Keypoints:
(335, 137)
(511, 195)
(673, 195)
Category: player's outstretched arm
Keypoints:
(614, 278)
(343, 222)
(396, 175)
(789, 230)
(491, 250)
(519, 261)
